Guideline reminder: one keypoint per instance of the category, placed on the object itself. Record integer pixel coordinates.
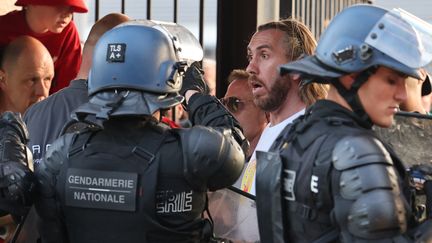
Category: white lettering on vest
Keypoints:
(289, 181)
(102, 182)
(314, 184)
(99, 197)
(168, 202)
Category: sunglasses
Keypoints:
(234, 104)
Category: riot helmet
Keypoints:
(138, 68)
(394, 39)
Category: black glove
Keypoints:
(17, 184)
(194, 80)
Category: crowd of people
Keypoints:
(124, 140)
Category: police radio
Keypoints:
(420, 179)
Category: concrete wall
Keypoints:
(7, 6)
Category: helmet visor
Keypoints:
(187, 46)
(404, 37)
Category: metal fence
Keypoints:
(202, 18)
(148, 14)
(193, 14)
(316, 14)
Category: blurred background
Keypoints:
(224, 27)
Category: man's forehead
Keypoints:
(265, 39)
(239, 88)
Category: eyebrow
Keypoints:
(260, 47)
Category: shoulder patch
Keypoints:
(116, 52)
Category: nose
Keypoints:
(252, 67)
(401, 92)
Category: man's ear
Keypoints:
(348, 80)
(2, 79)
(296, 77)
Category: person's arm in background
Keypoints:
(16, 180)
(51, 226)
(206, 110)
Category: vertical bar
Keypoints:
(313, 13)
(122, 6)
(175, 11)
(293, 8)
(201, 22)
(96, 10)
(303, 12)
(331, 7)
(322, 18)
(148, 9)
(337, 3)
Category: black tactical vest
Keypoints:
(131, 192)
(308, 177)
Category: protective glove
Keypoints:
(194, 80)
(17, 184)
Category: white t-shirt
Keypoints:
(247, 181)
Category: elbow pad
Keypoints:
(370, 205)
(212, 159)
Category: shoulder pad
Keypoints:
(353, 151)
(212, 158)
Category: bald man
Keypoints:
(46, 119)
(26, 73)
(239, 101)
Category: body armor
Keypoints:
(151, 185)
(334, 179)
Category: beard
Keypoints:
(276, 96)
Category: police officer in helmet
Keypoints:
(338, 181)
(127, 177)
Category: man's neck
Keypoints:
(290, 107)
(253, 143)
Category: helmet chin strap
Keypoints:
(351, 95)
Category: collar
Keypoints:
(327, 108)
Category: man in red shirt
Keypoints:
(49, 21)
